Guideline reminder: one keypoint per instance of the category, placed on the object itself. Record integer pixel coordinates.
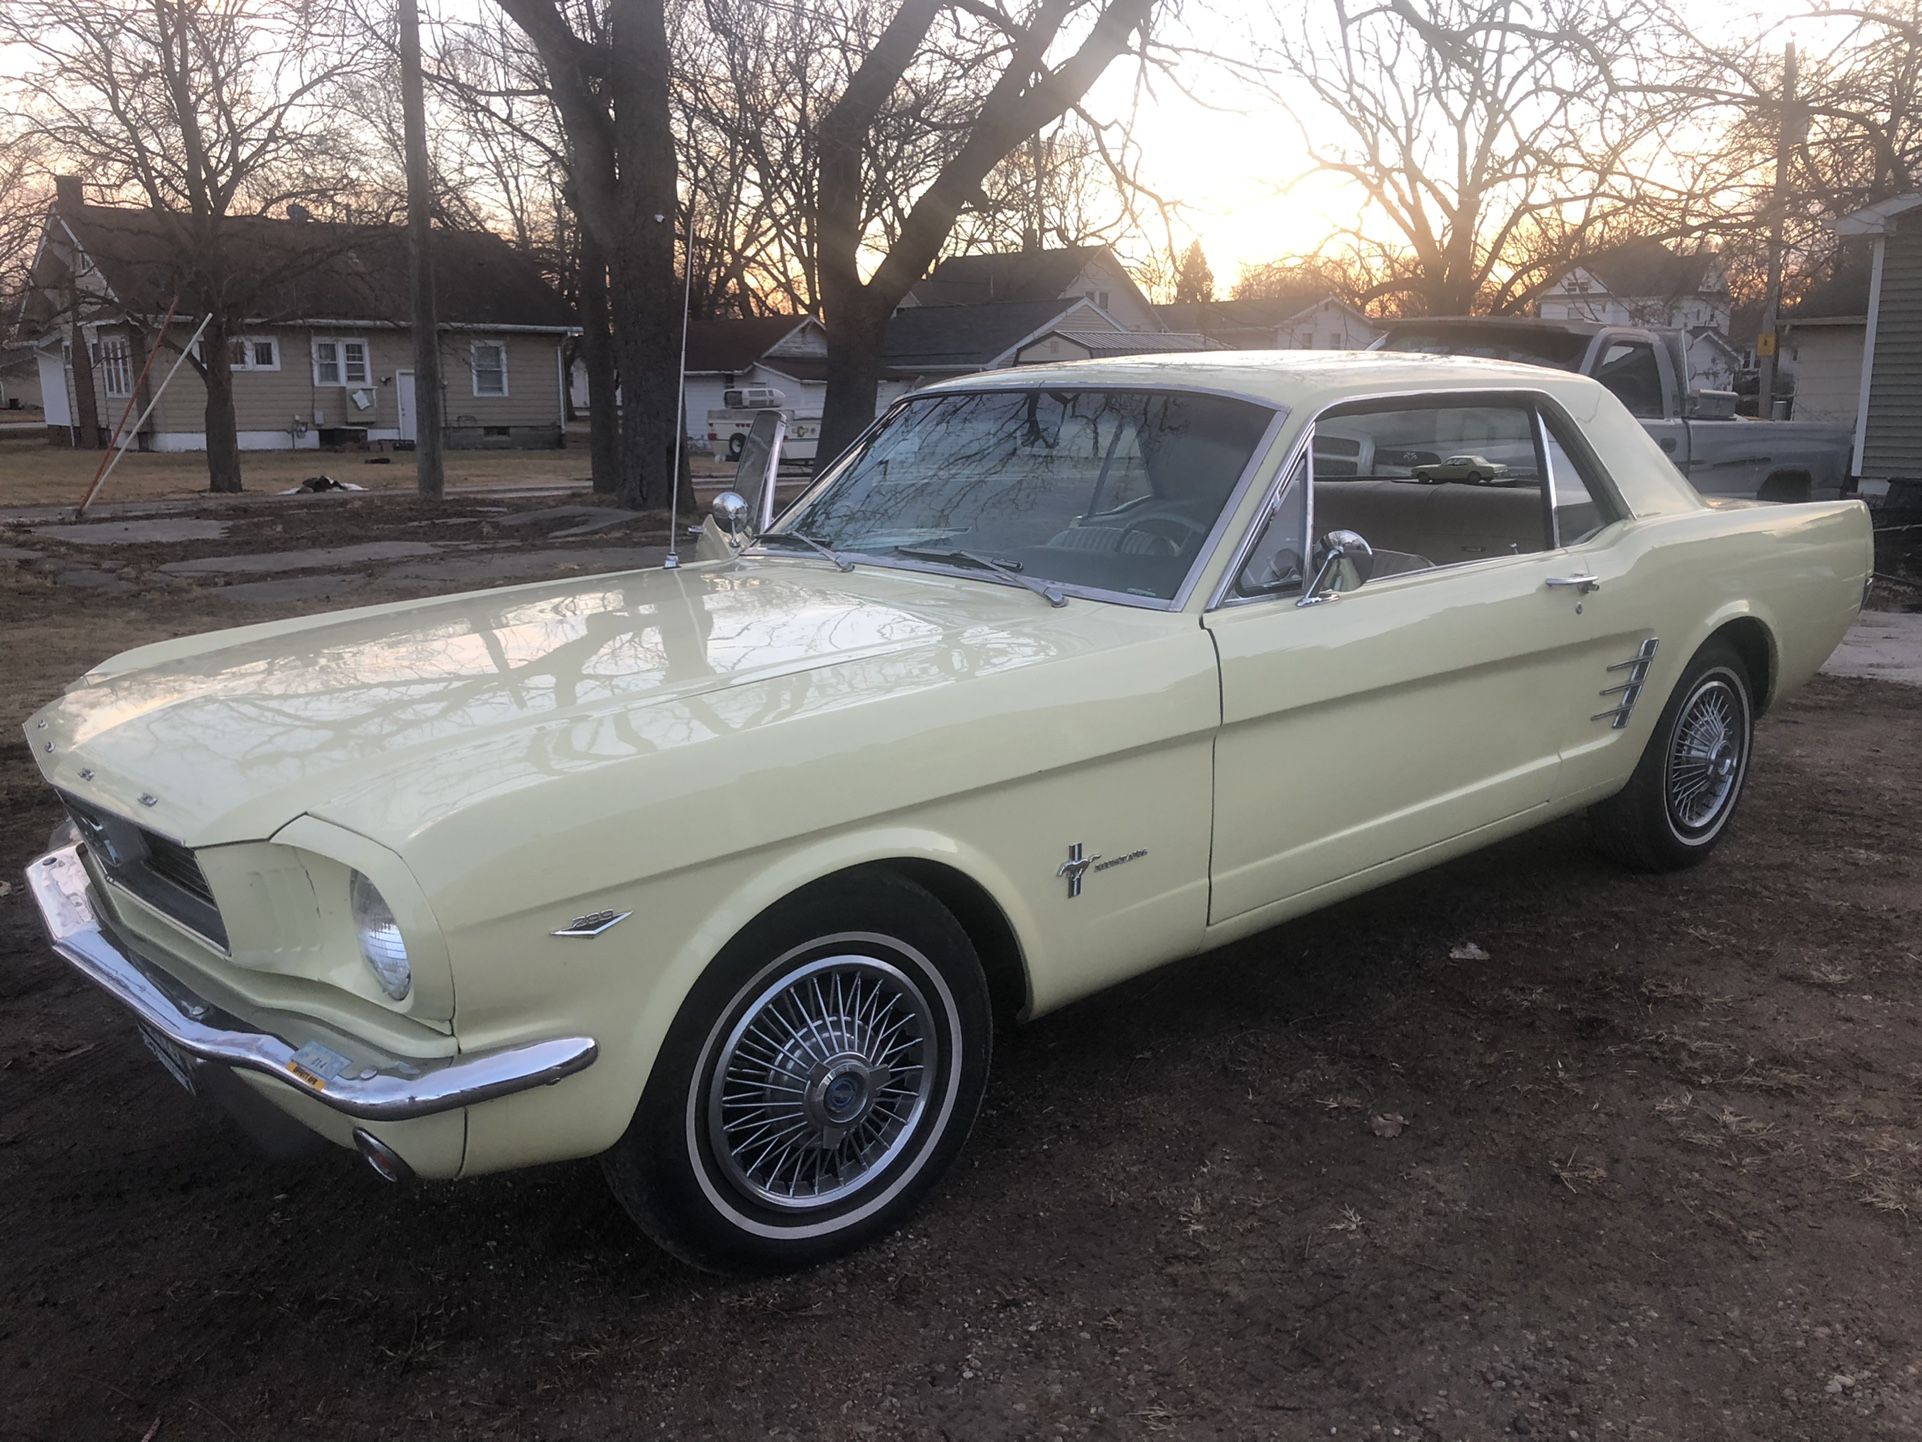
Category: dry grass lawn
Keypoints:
(35, 473)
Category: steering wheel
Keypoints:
(1161, 523)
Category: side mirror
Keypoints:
(1343, 562)
(732, 514)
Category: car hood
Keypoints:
(229, 736)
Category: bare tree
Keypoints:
(1496, 141)
(24, 195)
(206, 109)
(1030, 90)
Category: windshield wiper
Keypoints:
(819, 549)
(1007, 571)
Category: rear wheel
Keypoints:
(819, 1079)
(1679, 803)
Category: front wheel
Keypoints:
(819, 1079)
(1678, 805)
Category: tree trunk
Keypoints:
(223, 436)
(856, 332)
(597, 356)
(429, 433)
(646, 304)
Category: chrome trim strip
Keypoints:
(1630, 690)
(375, 1086)
(1220, 598)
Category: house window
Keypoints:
(251, 353)
(114, 360)
(340, 362)
(489, 359)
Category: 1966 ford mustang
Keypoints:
(725, 873)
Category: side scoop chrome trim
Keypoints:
(374, 1085)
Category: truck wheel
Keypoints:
(736, 443)
(1677, 806)
(820, 1077)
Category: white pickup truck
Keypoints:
(1720, 453)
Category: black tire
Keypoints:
(872, 935)
(736, 444)
(1680, 802)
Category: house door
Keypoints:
(404, 404)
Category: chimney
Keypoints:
(66, 190)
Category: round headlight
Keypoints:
(379, 937)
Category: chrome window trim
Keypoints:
(1210, 544)
(1542, 439)
(1225, 596)
(1537, 400)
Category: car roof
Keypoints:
(1293, 380)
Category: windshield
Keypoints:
(1109, 490)
(1492, 341)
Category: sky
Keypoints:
(1237, 164)
(1231, 161)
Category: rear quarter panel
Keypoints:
(1797, 570)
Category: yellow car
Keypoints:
(726, 873)
(1473, 470)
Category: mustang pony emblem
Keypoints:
(1079, 865)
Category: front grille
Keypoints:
(173, 862)
(160, 871)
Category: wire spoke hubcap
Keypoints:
(822, 1082)
(1705, 757)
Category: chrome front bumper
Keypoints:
(372, 1084)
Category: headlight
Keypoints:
(379, 937)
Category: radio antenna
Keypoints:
(672, 561)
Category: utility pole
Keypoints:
(1768, 341)
(429, 477)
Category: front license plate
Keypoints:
(178, 1064)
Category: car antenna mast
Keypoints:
(672, 560)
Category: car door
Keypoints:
(1427, 703)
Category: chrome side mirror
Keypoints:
(732, 514)
(1343, 562)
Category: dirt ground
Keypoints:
(35, 473)
(1523, 1146)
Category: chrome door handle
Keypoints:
(1582, 584)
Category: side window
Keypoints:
(1275, 562)
(1582, 504)
(1433, 483)
(1629, 370)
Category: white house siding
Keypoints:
(279, 409)
(1050, 349)
(1111, 289)
(1892, 439)
(1827, 362)
(1330, 325)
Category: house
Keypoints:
(1073, 342)
(327, 351)
(926, 343)
(1821, 341)
(1642, 283)
(785, 352)
(1305, 319)
(1079, 272)
(1888, 422)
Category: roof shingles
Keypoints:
(315, 270)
